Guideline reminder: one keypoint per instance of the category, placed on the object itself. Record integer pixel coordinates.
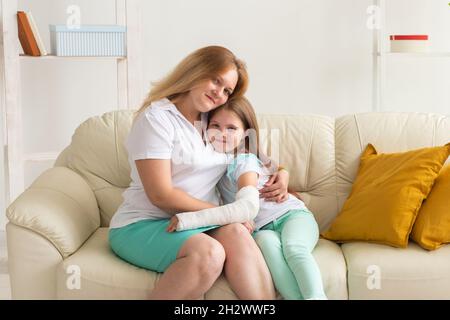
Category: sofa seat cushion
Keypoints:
(332, 266)
(377, 271)
(103, 275)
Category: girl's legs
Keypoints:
(270, 244)
(199, 263)
(245, 268)
(299, 236)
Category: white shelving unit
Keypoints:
(129, 84)
(50, 57)
(416, 54)
(381, 53)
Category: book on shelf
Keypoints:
(29, 36)
(36, 34)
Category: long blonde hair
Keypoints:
(202, 64)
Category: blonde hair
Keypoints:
(202, 64)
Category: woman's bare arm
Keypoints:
(156, 177)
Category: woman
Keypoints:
(174, 169)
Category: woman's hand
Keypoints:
(297, 195)
(276, 189)
(250, 225)
(172, 224)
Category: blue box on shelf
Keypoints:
(88, 40)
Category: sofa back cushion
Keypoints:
(305, 145)
(302, 143)
(97, 154)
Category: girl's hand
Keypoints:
(276, 189)
(250, 225)
(172, 224)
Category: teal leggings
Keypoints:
(286, 244)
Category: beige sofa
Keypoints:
(57, 231)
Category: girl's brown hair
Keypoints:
(244, 110)
(203, 64)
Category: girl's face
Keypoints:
(225, 131)
(212, 93)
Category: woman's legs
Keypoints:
(299, 236)
(270, 244)
(245, 268)
(199, 263)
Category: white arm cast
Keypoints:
(244, 208)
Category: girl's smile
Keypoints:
(225, 131)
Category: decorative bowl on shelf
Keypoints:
(409, 43)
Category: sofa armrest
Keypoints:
(60, 206)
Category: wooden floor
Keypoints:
(5, 290)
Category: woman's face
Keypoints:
(225, 131)
(213, 93)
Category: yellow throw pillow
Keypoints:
(386, 195)
(432, 227)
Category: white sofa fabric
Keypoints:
(62, 219)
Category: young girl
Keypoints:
(285, 232)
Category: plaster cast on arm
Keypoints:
(244, 208)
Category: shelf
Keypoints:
(415, 54)
(129, 72)
(42, 156)
(52, 57)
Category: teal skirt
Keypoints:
(148, 245)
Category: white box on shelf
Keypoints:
(409, 43)
(88, 40)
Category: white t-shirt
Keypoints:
(162, 132)
(268, 210)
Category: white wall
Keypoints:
(420, 84)
(304, 56)
(308, 56)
